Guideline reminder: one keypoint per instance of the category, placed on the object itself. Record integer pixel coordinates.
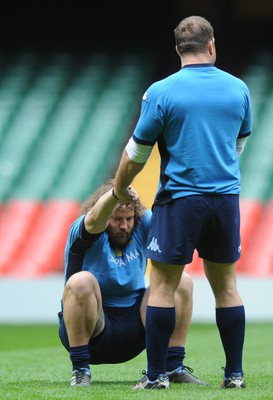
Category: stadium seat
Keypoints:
(257, 176)
(60, 137)
(258, 260)
(82, 112)
(27, 126)
(251, 212)
(43, 252)
(196, 266)
(16, 222)
(17, 74)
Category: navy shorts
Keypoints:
(122, 339)
(209, 224)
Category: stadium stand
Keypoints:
(251, 213)
(27, 125)
(16, 221)
(257, 161)
(258, 258)
(69, 120)
(42, 252)
(63, 122)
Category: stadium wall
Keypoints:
(38, 300)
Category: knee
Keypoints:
(80, 285)
(185, 287)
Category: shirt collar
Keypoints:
(201, 65)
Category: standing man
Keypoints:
(200, 117)
(104, 301)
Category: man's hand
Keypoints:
(126, 195)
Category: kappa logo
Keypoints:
(145, 96)
(154, 246)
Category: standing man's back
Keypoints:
(200, 112)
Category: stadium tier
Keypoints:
(257, 160)
(63, 123)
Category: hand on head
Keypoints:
(126, 195)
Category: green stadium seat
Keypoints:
(257, 159)
(49, 158)
(27, 126)
(94, 156)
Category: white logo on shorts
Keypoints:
(154, 246)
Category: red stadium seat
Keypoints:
(33, 236)
(251, 212)
(43, 252)
(16, 221)
(196, 266)
(258, 259)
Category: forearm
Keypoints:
(125, 175)
(240, 145)
(96, 220)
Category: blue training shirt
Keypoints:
(120, 274)
(196, 115)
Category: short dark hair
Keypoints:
(192, 35)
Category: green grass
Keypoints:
(34, 365)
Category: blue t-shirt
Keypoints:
(120, 274)
(196, 115)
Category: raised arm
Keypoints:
(96, 220)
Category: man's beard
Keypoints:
(118, 240)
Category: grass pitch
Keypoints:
(34, 365)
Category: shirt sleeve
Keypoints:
(247, 122)
(80, 239)
(151, 121)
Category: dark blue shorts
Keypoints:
(122, 339)
(209, 224)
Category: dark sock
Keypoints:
(231, 324)
(175, 358)
(160, 323)
(79, 357)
